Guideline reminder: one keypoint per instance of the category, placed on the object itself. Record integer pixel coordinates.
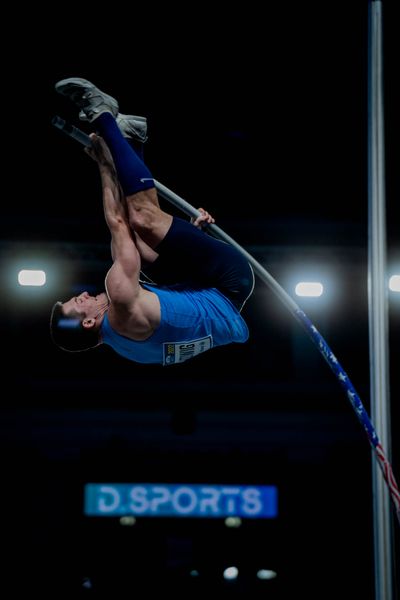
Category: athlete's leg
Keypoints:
(145, 215)
(191, 256)
(144, 212)
(186, 253)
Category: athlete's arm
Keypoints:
(123, 277)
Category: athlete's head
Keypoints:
(75, 324)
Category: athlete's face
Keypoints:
(85, 306)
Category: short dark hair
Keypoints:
(69, 334)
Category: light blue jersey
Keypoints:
(192, 321)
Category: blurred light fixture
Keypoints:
(266, 574)
(233, 522)
(394, 283)
(231, 573)
(309, 288)
(31, 277)
(127, 520)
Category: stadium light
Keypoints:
(394, 283)
(309, 288)
(31, 277)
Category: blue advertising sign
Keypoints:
(180, 500)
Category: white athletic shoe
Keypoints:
(133, 127)
(92, 101)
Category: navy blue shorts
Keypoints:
(190, 256)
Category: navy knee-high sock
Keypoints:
(132, 173)
(137, 146)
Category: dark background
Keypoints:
(260, 116)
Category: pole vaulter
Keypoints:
(296, 311)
